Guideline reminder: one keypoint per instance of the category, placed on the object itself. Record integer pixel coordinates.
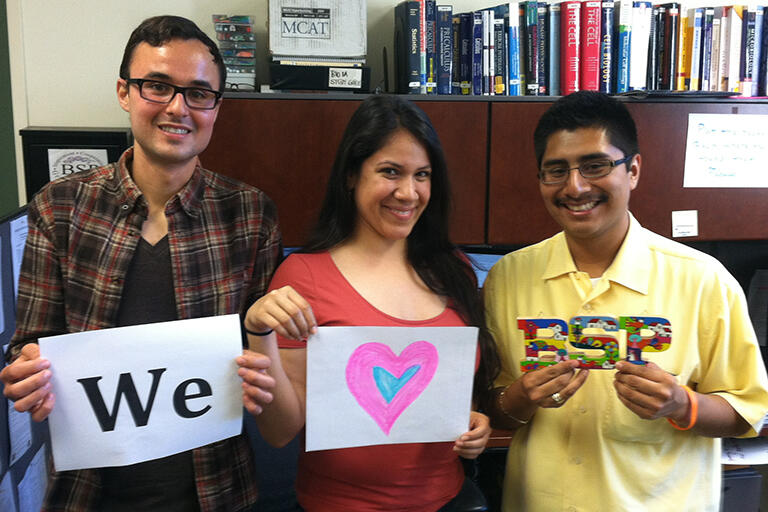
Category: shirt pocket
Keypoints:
(619, 423)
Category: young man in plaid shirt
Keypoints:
(153, 237)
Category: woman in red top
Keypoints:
(379, 255)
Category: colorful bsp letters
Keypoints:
(551, 340)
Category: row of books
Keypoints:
(538, 48)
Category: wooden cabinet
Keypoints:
(286, 146)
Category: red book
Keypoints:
(590, 46)
(570, 37)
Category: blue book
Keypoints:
(706, 47)
(444, 48)
(430, 25)
(606, 47)
(698, 18)
(553, 62)
(623, 43)
(515, 88)
(477, 53)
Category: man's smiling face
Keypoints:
(593, 209)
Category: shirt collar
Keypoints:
(630, 267)
(189, 197)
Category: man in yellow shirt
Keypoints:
(624, 435)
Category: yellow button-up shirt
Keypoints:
(593, 453)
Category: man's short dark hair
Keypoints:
(158, 30)
(587, 109)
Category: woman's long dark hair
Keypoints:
(442, 267)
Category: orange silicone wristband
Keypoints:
(694, 410)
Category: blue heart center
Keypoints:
(388, 384)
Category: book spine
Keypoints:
(589, 79)
(477, 53)
(696, 19)
(638, 53)
(706, 47)
(531, 48)
(456, 58)
(759, 36)
(486, 51)
(490, 57)
(499, 61)
(542, 42)
(553, 63)
(407, 60)
(606, 47)
(445, 49)
(423, 46)
(523, 50)
(514, 49)
(725, 50)
(762, 86)
(430, 22)
(655, 50)
(570, 46)
(466, 21)
(502, 13)
(750, 45)
(623, 45)
(671, 45)
(735, 23)
(683, 75)
(714, 60)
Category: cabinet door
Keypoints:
(724, 213)
(517, 214)
(463, 131)
(286, 147)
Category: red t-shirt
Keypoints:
(417, 477)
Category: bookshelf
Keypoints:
(285, 145)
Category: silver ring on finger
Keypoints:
(558, 398)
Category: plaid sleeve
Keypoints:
(268, 253)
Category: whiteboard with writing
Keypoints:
(726, 151)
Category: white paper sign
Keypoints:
(63, 162)
(177, 383)
(351, 78)
(726, 151)
(386, 385)
(745, 451)
(685, 223)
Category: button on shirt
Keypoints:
(83, 230)
(593, 453)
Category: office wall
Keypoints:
(8, 189)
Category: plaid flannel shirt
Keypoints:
(83, 230)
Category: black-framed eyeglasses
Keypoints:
(197, 98)
(591, 170)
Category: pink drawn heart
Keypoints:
(409, 374)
